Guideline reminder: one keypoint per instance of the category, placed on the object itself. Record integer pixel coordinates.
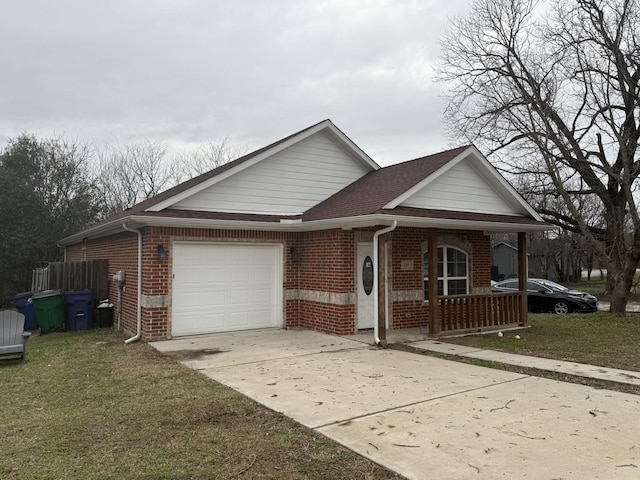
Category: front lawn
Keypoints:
(595, 338)
(86, 406)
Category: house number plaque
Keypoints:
(367, 275)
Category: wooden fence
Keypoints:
(464, 313)
(87, 275)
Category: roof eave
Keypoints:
(97, 231)
(455, 224)
(362, 221)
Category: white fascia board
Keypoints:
(348, 223)
(282, 225)
(326, 124)
(96, 232)
(407, 221)
(209, 223)
(445, 223)
(298, 226)
(286, 225)
(493, 176)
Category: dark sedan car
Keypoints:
(548, 296)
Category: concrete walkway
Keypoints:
(570, 368)
(425, 417)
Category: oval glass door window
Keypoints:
(367, 275)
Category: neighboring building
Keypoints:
(284, 237)
(505, 259)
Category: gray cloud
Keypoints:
(185, 71)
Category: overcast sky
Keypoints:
(185, 71)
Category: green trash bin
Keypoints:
(49, 306)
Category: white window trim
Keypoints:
(445, 278)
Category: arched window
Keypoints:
(453, 274)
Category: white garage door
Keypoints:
(225, 287)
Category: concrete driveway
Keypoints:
(425, 417)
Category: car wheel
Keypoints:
(561, 307)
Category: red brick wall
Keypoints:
(156, 274)
(481, 267)
(327, 260)
(325, 266)
(409, 244)
(336, 319)
(122, 252)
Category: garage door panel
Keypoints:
(214, 299)
(209, 321)
(263, 273)
(239, 297)
(240, 274)
(263, 296)
(189, 302)
(225, 287)
(239, 320)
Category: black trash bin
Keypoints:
(80, 309)
(23, 303)
(105, 314)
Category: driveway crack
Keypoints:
(419, 402)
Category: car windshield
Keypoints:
(556, 287)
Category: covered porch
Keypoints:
(476, 313)
(446, 311)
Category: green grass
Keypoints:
(597, 338)
(85, 406)
(595, 287)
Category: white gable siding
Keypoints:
(462, 188)
(287, 183)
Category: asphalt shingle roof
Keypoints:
(373, 191)
(366, 196)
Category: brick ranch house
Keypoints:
(311, 232)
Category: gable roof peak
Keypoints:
(449, 153)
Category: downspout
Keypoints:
(391, 228)
(139, 303)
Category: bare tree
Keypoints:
(209, 155)
(554, 94)
(126, 175)
(129, 174)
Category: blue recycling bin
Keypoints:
(23, 303)
(80, 305)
